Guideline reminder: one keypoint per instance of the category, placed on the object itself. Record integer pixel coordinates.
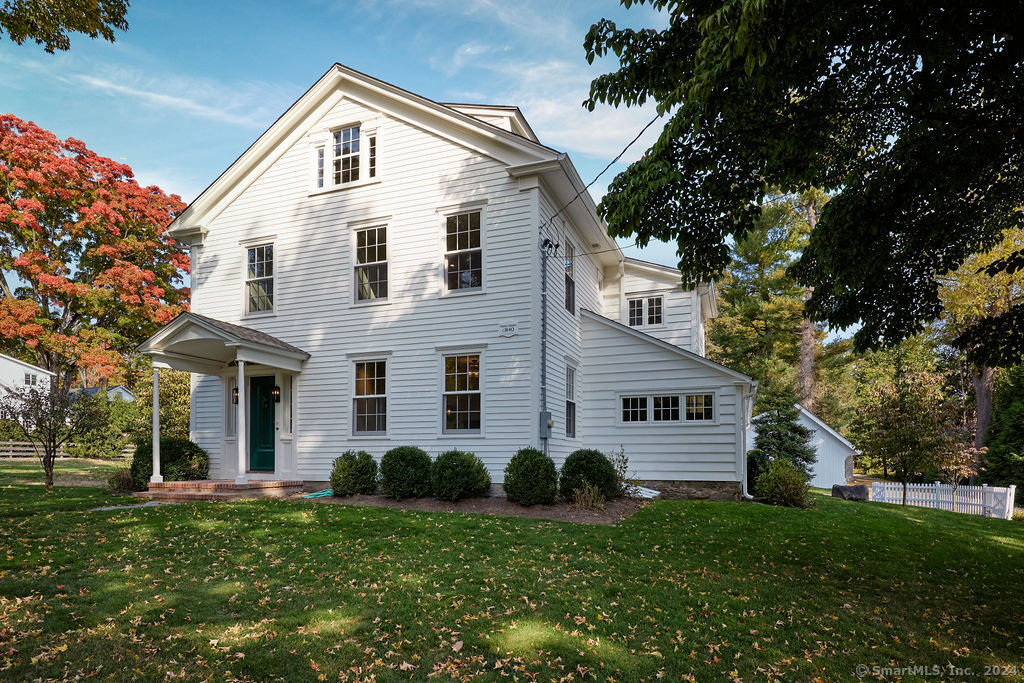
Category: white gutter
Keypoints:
(744, 492)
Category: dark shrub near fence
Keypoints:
(457, 475)
(180, 460)
(405, 473)
(590, 466)
(354, 473)
(531, 478)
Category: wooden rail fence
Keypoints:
(26, 449)
(990, 501)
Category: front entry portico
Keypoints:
(257, 362)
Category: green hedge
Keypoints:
(531, 478)
(180, 460)
(354, 473)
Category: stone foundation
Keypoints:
(696, 490)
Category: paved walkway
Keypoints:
(152, 503)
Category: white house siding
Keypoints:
(681, 308)
(565, 336)
(419, 174)
(618, 363)
(12, 373)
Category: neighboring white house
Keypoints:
(118, 392)
(379, 269)
(834, 464)
(16, 373)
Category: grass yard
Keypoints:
(66, 471)
(261, 590)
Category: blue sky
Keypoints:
(192, 84)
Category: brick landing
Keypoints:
(221, 489)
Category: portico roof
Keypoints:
(197, 343)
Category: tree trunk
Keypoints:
(904, 493)
(983, 379)
(806, 370)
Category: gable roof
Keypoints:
(91, 391)
(689, 355)
(823, 425)
(435, 117)
(239, 333)
(29, 366)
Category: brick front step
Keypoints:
(193, 494)
(222, 485)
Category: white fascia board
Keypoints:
(818, 421)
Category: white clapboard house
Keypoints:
(379, 269)
(16, 374)
(834, 454)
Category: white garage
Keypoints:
(834, 464)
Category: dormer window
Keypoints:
(646, 311)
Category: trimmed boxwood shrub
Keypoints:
(354, 472)
(180, 460)
(593, 467)
(405, 473)
(457, 475)
(784, 484)
(531, 478)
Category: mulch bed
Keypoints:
(614, 511)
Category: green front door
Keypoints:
(261, 424)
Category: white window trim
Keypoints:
(443, 352)
(325, 139)
(370, 358)
(570, 247)
(572, 367)
(645, 296)
(382, 222)
(247, 244)
(682, 394)
(442, 225)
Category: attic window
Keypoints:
(346, 155)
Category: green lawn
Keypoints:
(284, 590)
(66, 471)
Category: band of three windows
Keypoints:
(668, 408)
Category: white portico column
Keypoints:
(242, 437)
(156, 478)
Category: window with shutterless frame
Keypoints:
(570, 278)
(464, 254)
(700, 407)
(345, 155)
(259, 278)
(645, 311)
(371, 267)
(461, 396)
(570, 402)
(370, 402)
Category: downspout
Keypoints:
(544, 335)
(749, 414)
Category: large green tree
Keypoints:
(909, 114)
(48, 22)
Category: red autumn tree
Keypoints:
(86, 269)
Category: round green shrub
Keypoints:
(180, 460)
(405, 473)
(784, 484)
(531, 478)
(121, 481)
(354, 473)
(593, 467)
(457, 475)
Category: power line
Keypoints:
(603, 171)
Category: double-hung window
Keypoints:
(371, 270)
(464, 254)
(646, 311)
(259, 278)
(570, 279)
(31, 379)
(461, 394)
(370, 403)
(345, 150)
(570, 402)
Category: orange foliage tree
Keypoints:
(86, 268)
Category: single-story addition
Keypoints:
(835, 454)
(380, 269)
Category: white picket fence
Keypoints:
(25, 449)
(990, 501)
